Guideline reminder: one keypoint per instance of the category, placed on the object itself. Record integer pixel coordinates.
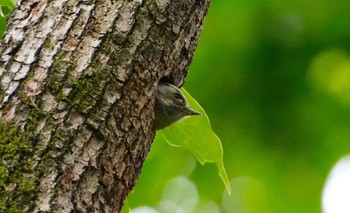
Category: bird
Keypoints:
(170, 106)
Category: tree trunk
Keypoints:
(77, 88)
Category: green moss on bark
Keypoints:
(16, 183)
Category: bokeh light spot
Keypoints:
(330, 72)
(336, 193)
(248, 195)
(180, 195)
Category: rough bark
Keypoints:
(77, 86)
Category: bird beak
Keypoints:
(190, 111)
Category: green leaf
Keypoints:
(6, 7)
(126, 207)
(195, 135)
(9, 3)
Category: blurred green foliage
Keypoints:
(274, 78)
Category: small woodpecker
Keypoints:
(171, 106)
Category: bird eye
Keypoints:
(177, 96)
